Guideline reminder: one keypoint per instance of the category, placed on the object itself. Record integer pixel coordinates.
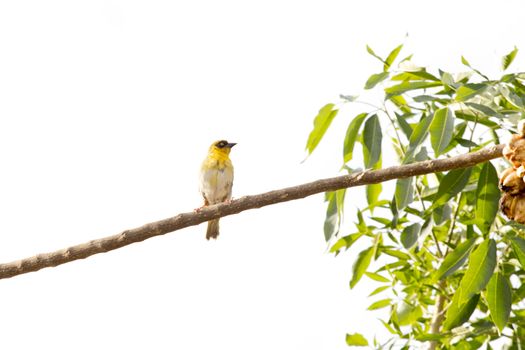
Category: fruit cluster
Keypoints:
(512, 182)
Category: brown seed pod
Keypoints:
(514, 151)
(511, 183)
(520, 171)
(513, 207)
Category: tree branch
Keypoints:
(183, 220)
(439, 315)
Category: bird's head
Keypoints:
(221, 147)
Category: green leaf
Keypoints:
(321, 123)
(450, 185)
(404, 194)
(512, 77)
(372, 138)
(371, 52)
(475, 118)
(372, 193)
(375, 79)
(483, 109)
(400, 102)
(455, 259)
(518, 246)
(426, 229)
(403, 124)
(346, 242)
(383, 221)
(467, 91)
(441, 130)
(467, 143)
(447, 79)
(356, 339)
(519, 294)
(422, 155)
(391, 328)
(458, 314)
(487, 197)
(351, 136)
(361, 224)
(466, 63)
(349, 98)
(379, 290)
(376, 277)
(480, 268)
(507, 60)
(397, 254)
(340, 201)
(499, 299)
(425, 98)
(411, 85)
(417, 138)
(410, 235)
(360, 265)
(429, 337)
(334, 211)
(441, 214)
(408, 314)
(417, 75)
(408, 58)
(379, 304)
(392, 57)
(373, 190)
(331, 218)
(511, 97)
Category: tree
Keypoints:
(449, 267)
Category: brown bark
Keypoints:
(438, 317)
(183, 220)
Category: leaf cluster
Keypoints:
(436, 244)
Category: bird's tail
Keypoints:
(213, 229)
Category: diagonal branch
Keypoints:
(183, 220)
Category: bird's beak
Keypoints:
(230, 145)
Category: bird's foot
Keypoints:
(198, 210)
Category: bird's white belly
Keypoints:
(216, 185)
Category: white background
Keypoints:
(107, 109)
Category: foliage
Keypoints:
(437, 236)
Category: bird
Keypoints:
(216, 180)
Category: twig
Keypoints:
(183, 220)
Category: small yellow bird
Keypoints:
(216, 180)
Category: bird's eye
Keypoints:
(221, 144)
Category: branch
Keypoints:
(102, 245)
(439, 315)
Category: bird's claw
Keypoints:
(198, 210)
